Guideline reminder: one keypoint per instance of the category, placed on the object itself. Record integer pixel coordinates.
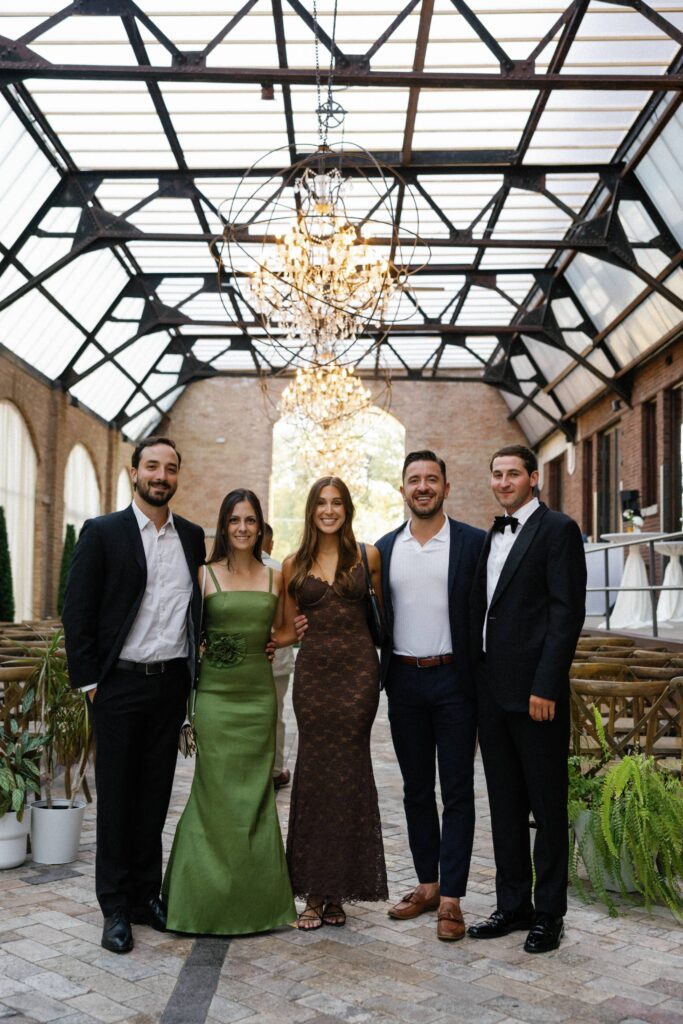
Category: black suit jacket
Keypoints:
(536, 613)
(105, 588)
(465, 548)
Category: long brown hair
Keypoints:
(304, 557)
(222, 548)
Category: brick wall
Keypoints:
(464, 422)
(55, 427)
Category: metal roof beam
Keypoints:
(17, 70)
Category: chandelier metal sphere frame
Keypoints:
(314, 252)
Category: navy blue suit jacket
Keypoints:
(465, 549)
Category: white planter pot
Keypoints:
(13, 836)
(610, 881)
(56, 831)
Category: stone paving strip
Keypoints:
(52, 968)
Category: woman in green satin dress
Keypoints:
(227, 873)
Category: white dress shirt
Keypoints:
(159, 631)
(418, 577)
(501, 546)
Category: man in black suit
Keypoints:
(428, 566)
(131, 617)
(528, 607)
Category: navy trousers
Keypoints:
(434, 722)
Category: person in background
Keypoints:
(528, 607)
(283, 663)
(132, 612)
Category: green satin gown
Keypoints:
(227, 873)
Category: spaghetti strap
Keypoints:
(215, 581)
(270, 579)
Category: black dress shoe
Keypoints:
(152, 913)
(546, 933)
(501, 922)
(116, 934)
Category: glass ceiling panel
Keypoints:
(37, 332)
(104, 391)
(650, 322)
(660, 173)
(26, 174)
(99, 40)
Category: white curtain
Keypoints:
(18, 471)
(124, 490)
(81, 490)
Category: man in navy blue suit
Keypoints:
(428, 566)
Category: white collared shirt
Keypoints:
(418, 577)
(159, 631)
(501, 546)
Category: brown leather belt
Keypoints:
(437, 659)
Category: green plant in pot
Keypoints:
(20, 757)
(627, 818)
(63, 716)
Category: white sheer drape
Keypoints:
(81, 490)
(124, 490)
(18, 471)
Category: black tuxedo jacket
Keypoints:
(105, 588)
(465, 548)
(536, 613)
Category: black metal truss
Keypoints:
(601, 234)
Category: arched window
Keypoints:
(372, 473)
(18, 471)
(81, 490)
(124, 491)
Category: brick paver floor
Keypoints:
(618, 971)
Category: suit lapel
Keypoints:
(134, 538)
(386, 564)
(518, 551)
(187, 549)
(454, 553)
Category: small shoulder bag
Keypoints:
(187, 740)
(376, 624)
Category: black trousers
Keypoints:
(525, 763)
(432, 722)
(137, 720)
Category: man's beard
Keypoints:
(424, 513)
(153, 499)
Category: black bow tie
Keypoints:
(500, 522)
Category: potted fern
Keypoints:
(627, 818)
(20, 755)
(56, 821)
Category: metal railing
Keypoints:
(653, 589)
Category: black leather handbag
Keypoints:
(376, 623)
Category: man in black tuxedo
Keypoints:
(428, 566)
(131, 616)
(528, 607)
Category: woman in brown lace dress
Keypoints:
(334, 843)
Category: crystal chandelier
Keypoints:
(324, 394)
(323, 284)
(324, 402)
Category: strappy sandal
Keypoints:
(334, 915)
(313, 914)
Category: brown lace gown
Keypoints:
(334, 842)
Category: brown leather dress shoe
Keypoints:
(450, 925)
(412, 905)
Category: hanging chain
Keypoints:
(330, 114)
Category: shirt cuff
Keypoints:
(91, 686)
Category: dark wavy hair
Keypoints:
(304, 557)
(221, 545)
(149, 442)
